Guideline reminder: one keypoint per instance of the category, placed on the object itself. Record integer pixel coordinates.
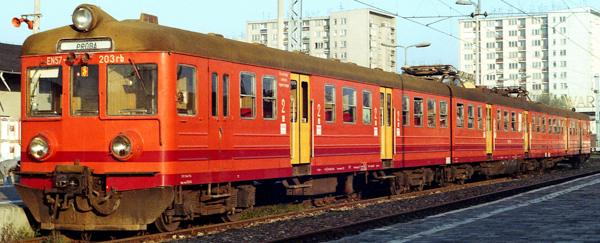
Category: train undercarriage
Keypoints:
(79, 203)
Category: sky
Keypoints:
(229, 17)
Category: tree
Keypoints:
(553, 100)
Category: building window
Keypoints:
(431, 113)
(468, 24)
(367, 104)
(418, 111)
(349, 104)
(343, 21)
(342, 43)
(269, 87)
(342, 32)
(247, 95)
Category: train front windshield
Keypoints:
(131, 90)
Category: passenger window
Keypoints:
(186, 90)
(443, 114)
(405, 110)
(479, 118)
(513, 121)
(225, 95)
(460, 115)
(544, 125)
(132, 89)
(520, 122)
(470, 116)
(506, 119)
(349, 104)
(269, 87)
(44, 89)
(247, 95)
(367, 104)
(431, 113)
(539, 124)
(84, 90)
(555, 127)
(329, 103)
(418, 111)
(533, 123)
(499, 121)
(214, 94)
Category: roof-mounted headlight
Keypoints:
(83, 18)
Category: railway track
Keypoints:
(341, 230)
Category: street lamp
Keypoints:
(476, 15)
(424, 44)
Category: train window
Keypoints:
(186, 90)
(131, 89)
(269, 87)
(214, 94)
(329, 103)
(431, 113)
(499, 121)
(443, 114)
(418, 111)
(532, 123)
(550, 125)
(367, 104)
(389, 109)
(513, 121)
(460, 115)
(544, 125)
(405, 110)
(84, 90)
(470, 116)
(520, 122)
(539, 124)
(44, 89)
(554, 127)
(349, 104)
(247, 95)
(506, 119)
(479, 118)
(225, 100)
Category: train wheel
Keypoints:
(230, 217)
(162, 225)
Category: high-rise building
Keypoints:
(351, 36)
(557, 53)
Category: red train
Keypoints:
(129, 123)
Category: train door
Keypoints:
(387, 131)
(489, 141)
(526, 132)
(300, 120)
(192, 125)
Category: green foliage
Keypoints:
(553, 101)
(11, 233)
(56, 237)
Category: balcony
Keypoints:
(498, 38)
(499, 59)
(522, 70)
(326, 38)
(544, 35)
(326, 50)
(264, 31)
(499, 49)
(545, 69)
(545, 47)
(522, 48)
(545, 58)
(326, 27)
(545, 80)
(522, 37)
(521, 26)
(499, 27)
(305, 40)
(522, 59)
(305, 28)
(523, 80)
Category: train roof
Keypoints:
(141, 36)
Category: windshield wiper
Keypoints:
(137, 72)
(35, 81)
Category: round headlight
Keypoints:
(83, 18)
(38, 147)
(121, 147)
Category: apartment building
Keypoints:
(557, 53)
(351, 36)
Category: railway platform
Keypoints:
(567, 212)
(12, 214)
